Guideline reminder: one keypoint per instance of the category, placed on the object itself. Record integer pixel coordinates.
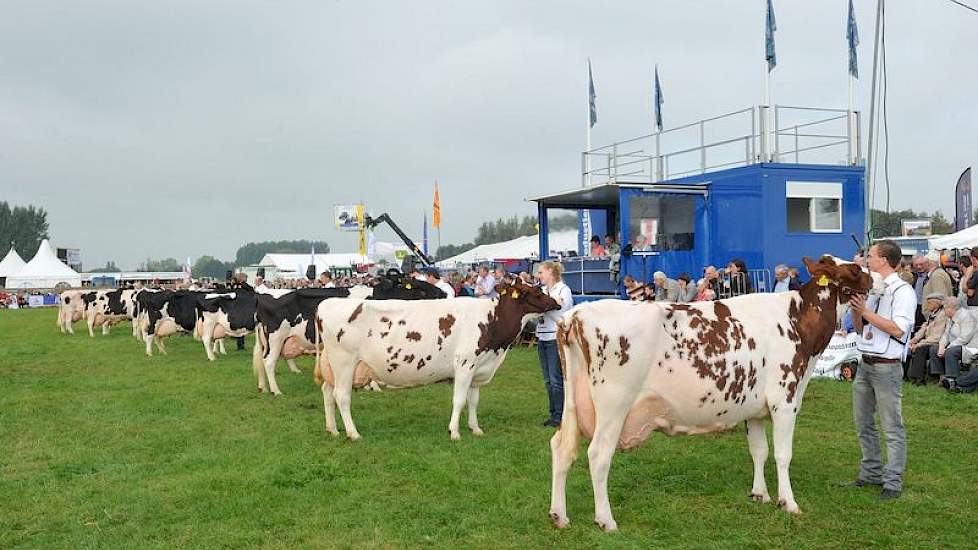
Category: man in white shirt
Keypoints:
(553, 378)
(485, 285)
(433, 276)
(326, 280)
(886, 324)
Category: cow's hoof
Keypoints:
(477, 431)
(455, 436)
(790, 507)
(759, 498)
(333, 432)
(353, 437)
(560, 522)
(606, 525)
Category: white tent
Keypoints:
(966, 238)
(518, 248)
(44, 270)
(11, 264)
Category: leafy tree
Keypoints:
(889, 224)
(941, 225)
(166, 264)
(209, 266)
(24, 227)
(252, 253)
(109, 267)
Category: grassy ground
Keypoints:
(104, 447)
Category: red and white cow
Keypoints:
(414, 343)
(631, 368)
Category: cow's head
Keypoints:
(528, 299)
(848, 277)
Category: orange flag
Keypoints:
(436, 210)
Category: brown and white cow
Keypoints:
(631, 368)
(414, 343)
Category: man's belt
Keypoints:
(877, 360)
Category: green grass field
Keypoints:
(105, 447)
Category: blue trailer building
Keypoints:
(744, 196)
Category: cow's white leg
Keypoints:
(220, 344)
(91, 326)
(274, 349)
(257, 360)
(784, 430)
(463, 382)
(343, 370)
(329, 406)
(473, 400)
(599, 454)
(207, 337)
(757, 442)
(148, 340)
(106, 329)
(563, 451)
(159, 343)
(292, 366)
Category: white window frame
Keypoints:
(816, 190)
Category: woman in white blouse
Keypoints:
(553, 379)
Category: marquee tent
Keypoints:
(44, 270)
(10, 265)
(966, 238)
(518, 248)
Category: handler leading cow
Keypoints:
(632, 368)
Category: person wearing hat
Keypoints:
(927, 337)
(433, 276)
(936, 280)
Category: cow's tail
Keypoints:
(260, 349)
(317, 375)
(571, 347)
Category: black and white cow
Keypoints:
(108, 307)
(164, 313)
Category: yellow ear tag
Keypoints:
(502, 293)
(823, 281)
(408, 286)
(516, 295)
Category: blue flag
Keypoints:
(658, 101)
(852, 35)
(424, 238)
(770, 26)
(590, 86)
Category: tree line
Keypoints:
(23, 228)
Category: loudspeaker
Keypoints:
(311, 272)
(261, 272)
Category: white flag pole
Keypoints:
(587, 154)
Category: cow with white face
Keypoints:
(414, 343)
(632, 368)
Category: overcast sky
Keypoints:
(182, 128)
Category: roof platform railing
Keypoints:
(739, 138)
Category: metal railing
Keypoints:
(738, 138)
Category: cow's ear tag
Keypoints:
(516, 295)
(408, 286)
(823, 281)
(502, 292)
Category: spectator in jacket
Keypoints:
(738, 279)
(637, 292)
(946, 358)
(935, 279)
(783, 282)
(926, 338)
(666, 289)
(687, 289)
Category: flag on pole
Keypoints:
(436, 210)
(658, 101)
(591, 96)
(424, 236)
(964, 215)
(186, 271)
(770, 26)
(312, 257)
(852, 35)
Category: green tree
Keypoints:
(890, 224)
(941, 225)
(209, 266)
(109, 267)
(24, 227)
(252, 253)
(166, 264)
(449, 250)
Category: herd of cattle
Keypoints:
(630, 368)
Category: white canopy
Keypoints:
(299, 262)
(11, 263)
(44, 270)
(518, 248)
(966, 238)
